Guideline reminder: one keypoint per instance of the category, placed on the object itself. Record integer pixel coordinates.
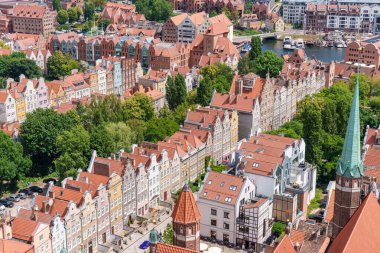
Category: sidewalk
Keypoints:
(137, 238)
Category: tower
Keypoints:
(349, 170)
(186, 221)
(153, 240)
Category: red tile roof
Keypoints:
(13, 246)
(67, 194)
(167, 248)
(232, 102)
(24, 229)
(186, 210)
(330, 207)
(361, 233)
(285, 246)
(297, 236)
(58, 206)
(222, 188)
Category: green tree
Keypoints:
(121, 136)
(245, 65)
(74, 148)
(176, 92)
(103, 23)
(74, 14)
(138, 127)
(205, 91)
(159, 128)
(213, 13)
(220, 76)
(139, 106)
(57, 5)
(89, 11)
(39, 134)
(62, 17)
(16, 64)
(101, 140)
(312, 129)
(168, 235)
(155, 10)
(227, 12)
(13, 165)
(256, 48)
(278, 228)
(59, 65)
(268, 61)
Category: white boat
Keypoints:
(287, 43)
(299, 44)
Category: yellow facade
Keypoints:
(116, 203)
(20, 108)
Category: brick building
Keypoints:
(35, 19)
(366, 52)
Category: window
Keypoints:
(226, 215)
(213, 223)
(209, 182)
(233, 187)
(213, 211)
(226, 225)
(227, 199)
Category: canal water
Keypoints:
(325, 54)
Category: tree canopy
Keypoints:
(155, 10)
(60, 65)
(12, 66)
(13, 165)
(176, 92)
(268, 61)
(217, 76)
(39, 134)
(62, 17)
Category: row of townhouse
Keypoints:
(21, 98)
(267, 103)
(113, 75)
(211, 44)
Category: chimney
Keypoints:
(52, 195)
(45, 206)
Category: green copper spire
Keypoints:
(350, 163)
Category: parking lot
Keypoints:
(22, 203)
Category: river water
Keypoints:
(325, 54)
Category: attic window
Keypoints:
(209, 182)
(221, 184)
(256, 165)
(227, 199)
(217, 197)
(204, 194)
(233, 187)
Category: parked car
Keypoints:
(26, 191)
(13, 198)
(47, 180)
(6, 203)
(144, 245)
(316, 217)
(37, 189)
(21, 195)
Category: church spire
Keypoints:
(350, 163)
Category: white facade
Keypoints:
(58, 234)
(294, 10)
(7, 108)
(186, 31)
(31, 97)
(42, 93)
(218, 217)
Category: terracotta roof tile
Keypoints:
(297, 236)
(13, 246)
(223, 188)
(330, 208)
(186, 210)
(167, 248)
(285, 246)
(67, 194)
(361, 233)
(24, 229)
